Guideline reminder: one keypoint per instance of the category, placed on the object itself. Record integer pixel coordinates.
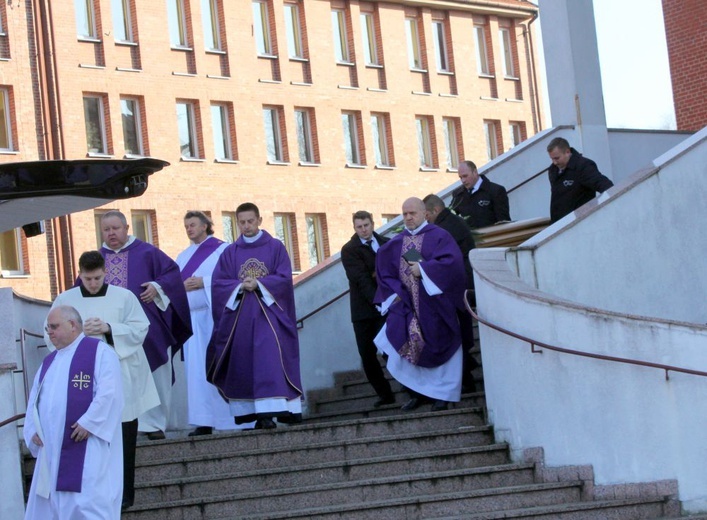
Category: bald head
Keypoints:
(63, 325)
(413, 213)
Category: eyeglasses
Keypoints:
(52, 326)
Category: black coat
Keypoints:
(455, 226)
(485, 207)
(359, 262)
(575, 186)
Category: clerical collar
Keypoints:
(250, 240)
(101, 292)
(418, 228)
(131, 239)
(476, 185)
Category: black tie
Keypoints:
(369, 243)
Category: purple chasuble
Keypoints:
(141, 262)
(79, 396)
(423, 329)
(203, 251)
(254, 350)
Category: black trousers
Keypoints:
(129, 445)
(365, 331)
(469, 363)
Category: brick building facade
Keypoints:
(311, 109)
(686, 35)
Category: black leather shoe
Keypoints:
(126, 505)
(439, 405)
(412, 404)
(383, 401)
(265, 424)
(201, 430)
(156, 436)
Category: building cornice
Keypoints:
(524, 9)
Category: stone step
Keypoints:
(177, 465)
(333, 480)
(410, 505)
(309, 433)
(619, 509)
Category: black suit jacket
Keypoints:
(359, 262)
(485, 207)
(455, 226)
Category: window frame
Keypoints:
(286, 224)
(137, 117)
(507, 51)
(87, 9)
(177, 14)
(516, 131)
(293, 31)
(450, 126)
(412, 38)
(482, 55)
(225, 137)
(142, 219)
(101, 124)
(439, 30)
(211, 25)
(342, 53)
(230, 218)
(491, 140)
(305, 135)
(424, 142)
(5, 110)
(191, 129)
(315, 238)
(380, 134)
(369, 39)
(261, 29)
(352, 145)
(275, 139)
(17, 253)
(120, 11)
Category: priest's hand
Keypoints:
(36, 440)
(95, 327)
(149, 294)
(415, 269)
(193, 283)
(250, 284)
(80, 433)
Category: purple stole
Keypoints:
(79, 396)
(204, 251)
(413, 347)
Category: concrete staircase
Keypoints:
(348, 460)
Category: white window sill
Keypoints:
(126, 43)
(9, 152)
(211, 76)
(428, 169)
(91, 66)
(100, 155)
(215, 51)
(421, 71)
(299, 59)
(225, 161)
(183, 74)
(191, 159)
(278, 163)
(487, 76)
(346, 63)
(181, 49)
(267, 56)
(445, 73)
(511, 78)
(355, 166)
(384, 167)
(374, 66)
(421, 93)
(14, 275)
(121, 69)
(133, 156)
(487, 98)
(89, 39)
(302, 163)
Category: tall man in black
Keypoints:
(439, 215)
(479, 201)
(358, 257)
(574, 179)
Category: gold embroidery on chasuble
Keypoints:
(253, 268)
(117, 269)
(412, 348)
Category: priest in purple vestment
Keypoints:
(253, 355)
(157, 282)
(421, 282)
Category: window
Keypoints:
(440, 40)
(85, 19)
(379, 128)
(122, 24)
(517, 131)
(273, 134)
(341, 41)
(350, 123)
(11, 253)
(132, 132)
(424, 141)
(95, 125)
(387, 217)
(177, 24)
(451, 142)
(293, 28)
(413, 43)
(316, 245)
(141, 226)
(5, 121)
(210, 20)
(286, 232)
(221, 126)
(230, 228)
(261, 29)
(368, 32)
(490, 129)
(305, 140)
(507, 50)
(482, 60)
(186, 122)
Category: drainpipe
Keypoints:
(532, 70)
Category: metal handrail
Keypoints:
(533, 343)
(526, 181)
(12, 419)
(300, 322)
(23, 335)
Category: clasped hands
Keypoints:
(250, 284)
(95, 327)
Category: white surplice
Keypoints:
(205, 405)
(102, 483)
(121, 309)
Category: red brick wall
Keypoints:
(686, 32)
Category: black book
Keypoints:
(412, 255)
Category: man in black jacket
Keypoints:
(479, 201)
(440, 216)
(574, 180)
(358, 257)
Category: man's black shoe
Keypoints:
(383, 401)
(439, 405)
(156, 436)
(201, 430)
(265, 424)
(412, 404)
